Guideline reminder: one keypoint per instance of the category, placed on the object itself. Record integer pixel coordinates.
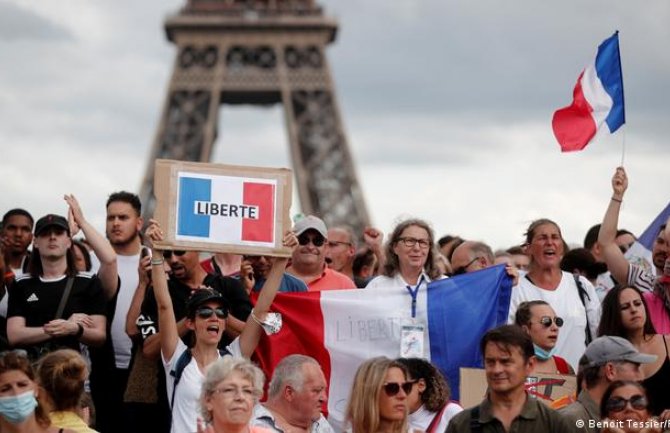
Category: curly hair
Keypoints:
(436, 394)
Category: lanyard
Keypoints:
(413, 293)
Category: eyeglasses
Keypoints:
(168, 253)
(232, 392)
(410, 242)
(464, 269)
(617, 404)
(393, 388)
(206, 312)
(305, 238)
(546, 321)
(334, 244)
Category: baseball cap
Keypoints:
(51, 220)
(310, 222)
(203, 296)
(610, 348)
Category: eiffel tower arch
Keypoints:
(260, 52)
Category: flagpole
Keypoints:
(623, 145)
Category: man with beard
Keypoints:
(657, 290)
(109, 374)
(15, 238)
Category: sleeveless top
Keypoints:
(561, 365)
(657, 386)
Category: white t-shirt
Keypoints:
(186, 405)
(566, 303)
(127, 269)
(421, 419)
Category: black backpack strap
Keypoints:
(583, 296)
(178, 370)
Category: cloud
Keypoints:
(20, 24)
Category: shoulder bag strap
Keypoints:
(436, 419)
(64, 298)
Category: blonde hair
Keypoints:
(363, 408)
(62, 374)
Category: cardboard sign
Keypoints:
(554, 390)
(223, 208)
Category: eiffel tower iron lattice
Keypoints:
(260, 52)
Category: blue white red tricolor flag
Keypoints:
(598, 103)
(343, 328)
(225, 209)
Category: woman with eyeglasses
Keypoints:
(22, 408)
(62, 375)
(625, 314)
(540, 322)
(231, 388)
(206, 317)
(572, 297)
(378, 399)
(429, 407)
(625, 409)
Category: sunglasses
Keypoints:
(206, 312)
(317, 240)
(168, 253)
(463, 269)
(546, 321)
(393, 388)
(617, 404)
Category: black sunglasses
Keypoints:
(546, 321)
(463, 269)
(168, 253)
(393, 388)
(305, 238)
(617, 404)
(206, 312)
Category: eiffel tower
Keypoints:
(260, 52)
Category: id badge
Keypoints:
(411, 340)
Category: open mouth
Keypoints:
(213, 329)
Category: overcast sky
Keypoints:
(447, 107)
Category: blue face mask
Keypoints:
(542, 354)
(16, 408)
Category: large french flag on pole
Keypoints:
(343, 328)
(598, 102)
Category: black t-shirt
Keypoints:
(230, 288)
(37, 302)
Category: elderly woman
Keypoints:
(230, 390)
(625, 409)
(428, 401)
(541, 323)
(572, 297)
(378, 399)
(62, 375)
(625, 314)
(21, 407)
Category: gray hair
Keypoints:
(353, 239)
(479, 249)
(220, 370)
(289, 371)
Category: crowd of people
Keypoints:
(110, 333)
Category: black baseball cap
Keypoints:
(203, 296)
(51, 220)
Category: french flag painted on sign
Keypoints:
(225, 209)
(343, 328)
(598, 101)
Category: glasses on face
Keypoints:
(464, 269)
(410, 242)
(617, 404)
(334, 244)
(167, 254)
(393, 388)
(206, 312)
(233, 391)
(316, 240)
(546, 321)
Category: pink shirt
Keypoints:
(331, 280)
(657, 312)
